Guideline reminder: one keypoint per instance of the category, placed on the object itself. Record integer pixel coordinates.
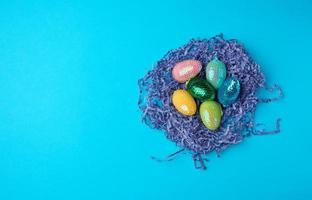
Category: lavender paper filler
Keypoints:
(188, 132)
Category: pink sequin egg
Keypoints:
(185, 70)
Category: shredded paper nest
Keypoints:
(188, 132)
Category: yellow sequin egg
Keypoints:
(184, 102)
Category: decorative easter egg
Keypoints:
(229, 91)
(186, 70)
(200, 89)
(215, 72)
(184, 102)
(210, 114)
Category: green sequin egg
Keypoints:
(200, 89)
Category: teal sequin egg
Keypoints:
(229, 91)
(215, 72)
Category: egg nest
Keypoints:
(188, 132)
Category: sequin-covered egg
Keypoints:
(215, 72)
(184, 102)
(210, 114)
(229, 91)
(200, 89)
(185, 70)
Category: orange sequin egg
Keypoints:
(184, 102)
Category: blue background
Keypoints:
(69, 123)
